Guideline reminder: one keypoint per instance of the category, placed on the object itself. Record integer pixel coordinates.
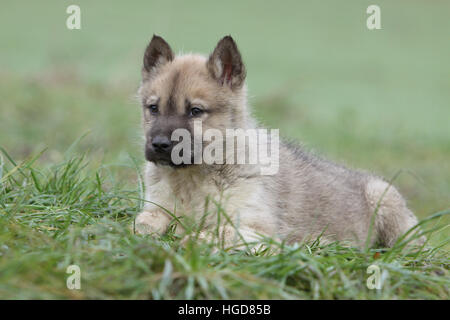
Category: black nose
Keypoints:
(161, 143)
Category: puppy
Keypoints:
(306, 197)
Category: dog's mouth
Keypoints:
(163, 159)
(169, 163)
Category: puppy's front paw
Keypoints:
(149, 222)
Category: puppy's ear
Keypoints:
(158, 52)
(225, 64)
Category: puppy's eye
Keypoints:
(195, 112)
(153, 108)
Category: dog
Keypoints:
(308, 197)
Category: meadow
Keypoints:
(71, 143)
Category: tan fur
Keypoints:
(308, 197)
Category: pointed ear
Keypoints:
(158, 52)
(225, 64)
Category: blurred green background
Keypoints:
(378, 100)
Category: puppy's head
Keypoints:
(177, 91)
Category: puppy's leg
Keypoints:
(393, 218)
(151, 221)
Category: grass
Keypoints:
(376, 100)
(50, 219)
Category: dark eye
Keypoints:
(195, 112)
(153, 108)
